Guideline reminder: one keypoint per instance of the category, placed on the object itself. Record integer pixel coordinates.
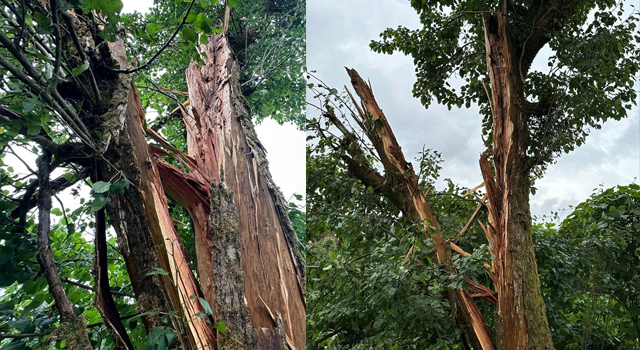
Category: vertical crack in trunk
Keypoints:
(181, 281)
(520, 317)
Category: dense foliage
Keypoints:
(366, 289)
(268, 39)
(589, 271)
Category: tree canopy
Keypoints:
(589, 75)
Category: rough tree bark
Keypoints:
(257, 285)
(520, 317)
(250, 265)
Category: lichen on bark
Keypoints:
(228, 283)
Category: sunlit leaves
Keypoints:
(153, 29)
(188, 34)
(203, 24)
(81, 68)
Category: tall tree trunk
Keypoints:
(249, 260)
(520, 319)
(250, 265)
(222, 142)
(155, 259)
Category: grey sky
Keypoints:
(338, 35)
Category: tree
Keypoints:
(373, 282)
(68, 89)
(533, 117)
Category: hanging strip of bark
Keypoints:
(520, 320)
(221, 139)
(73, 328)
(104, 299)
(401, 185)
(172, 256)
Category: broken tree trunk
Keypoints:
(400, 184)
(248, 257)
(157, 264)
(520, 319)
(221, 139)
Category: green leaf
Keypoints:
(56, 212)
(78, 70)
(153, 29)
(69, 177)
(16, 345)
(220, 326)
(206, 306)
(161, 337)
(45, 321)
(101, 187)
(203, 24)
(6, 308)
(119, 186)
(189, 35)
(29, 104)
(110, 6)
(232, 3)
(24, 326)
(157, 271)
(99, 203)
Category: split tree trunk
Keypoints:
(520, 319)
(249, 260)
(223, 143)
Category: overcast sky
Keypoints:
(338, 35)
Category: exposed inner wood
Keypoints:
(221, 140)
(173, 259)
(520, 316)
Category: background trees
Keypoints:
(69, 98)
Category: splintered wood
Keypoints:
(400, 183)
(173, 259)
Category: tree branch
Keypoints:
(84, 286)
(74, 37)
(144, 66)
